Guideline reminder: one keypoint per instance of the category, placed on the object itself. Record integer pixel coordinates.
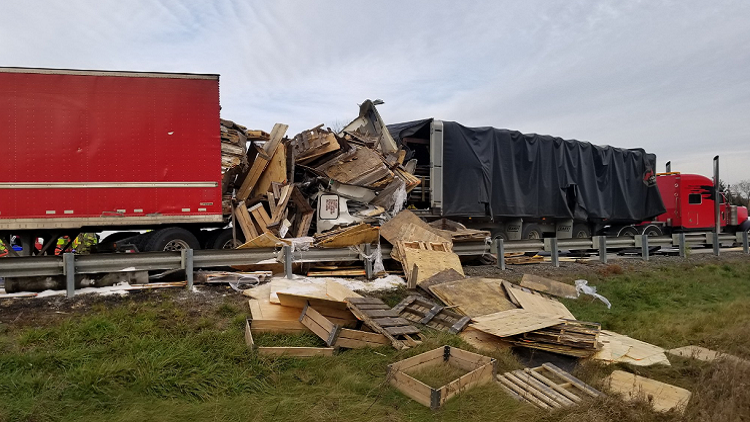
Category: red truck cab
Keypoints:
(689, 199)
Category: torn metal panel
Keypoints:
(369, 125)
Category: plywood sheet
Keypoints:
(623, 349)
(662, 396)
(275, 171)
(266, 240)
(394, 229)
(706, 355)
(483, 341)
(429, 263)
(549, 286)
(474, 296)
(512, 322)
(538, 304)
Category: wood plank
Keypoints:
(259, 164)
(549, 286)
(483, 341)
(355, 339)
(419, 359)
(277, 134)
(284, 197)
(580, 385)
(512, 322)
(390, 322)
(265, 240)
(360, 234)
(524, 393)
(555, 386)
(261, 217)
(479, 376)
(545, 389)
(396, 331)
(392, 229)
(319, 325)
(410, 387)
(529, 388)
(298, 352)
(474, 296)
(662, 396)
(428, 263)
(275, 171)
(536, 303)
(245, 222)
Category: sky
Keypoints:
(672, 77)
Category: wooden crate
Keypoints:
(337, 336)
(546, 387)
(283, 351)
(482, 369)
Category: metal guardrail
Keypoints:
(69, 264)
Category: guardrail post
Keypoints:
(186, 261)
(368, 261)
(69, 269)
(644, 247)
(716, 243)
(555, 252)
(602, 240)
(288, 258)
(745, 245)
(682, 244)
(500, 247)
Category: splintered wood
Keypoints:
(382, 319)
(546, 387)
(479, 370)
(623, 349)
(418, 309)
(348, 236)
(459, 232)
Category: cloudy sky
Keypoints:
(672, 77)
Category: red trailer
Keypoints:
(84, 151)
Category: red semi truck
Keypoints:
(86, 151)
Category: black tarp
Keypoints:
(503, 173)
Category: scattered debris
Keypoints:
(480, 370)
(348, 236)
(546, 387)
(473, 296)
(537, 303)
(337, 336)
(549, 286)
(663, 397)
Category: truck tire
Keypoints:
(627, 231)
(171, 239)
(499, 234)
(581, 231)
(651, 230)
(222, 239)
(532, 231)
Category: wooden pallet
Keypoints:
(481, 370)
(546, 387)
(382, 319)
(418, 309)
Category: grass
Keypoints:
(157, 360)
(438, 375)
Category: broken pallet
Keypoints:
(382, 319)
(546, 387)
(418, 309)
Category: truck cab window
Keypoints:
(694, 199)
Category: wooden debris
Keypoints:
(524, 260)
(219, 277)
(352, 272)
(283, 351)
(337, 336)
(662, 396)
(266, 240)
(348, 236)
(549, 286)
(483, 341)
(459, 232)
(268, 317)
(537, 303)
(441, 277)
(429, 262)
(418, 309)
(382, 319)
(623, 349)
(513, 322)
(313, 143)
(261, 161)
(275, 172)
(706, 355)
(546, 387)
(481, 370)
(245, 222)
(398, 228)
(291, 197)
(474, 296)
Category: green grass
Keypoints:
(157, 360)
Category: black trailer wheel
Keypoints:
(499, 234)
(171, 239)
(627, 231)
(222, 239)
(581, 231)
(532, 232)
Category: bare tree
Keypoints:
(743, 189)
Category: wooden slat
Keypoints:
(525, 394)
(319, 325)
(396, 331)
(245, 222)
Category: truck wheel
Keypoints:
(581, 231)
(171, 239)
(532, 232)
(222, 239)
(499, 234)
(652, 231)
(627, 231)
